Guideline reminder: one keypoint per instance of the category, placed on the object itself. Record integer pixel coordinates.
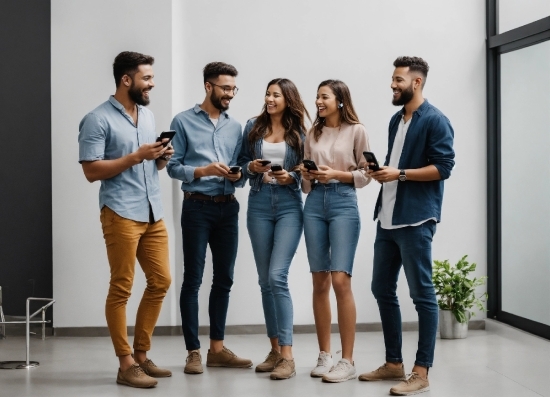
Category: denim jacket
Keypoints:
(245, 157)
(429, 140)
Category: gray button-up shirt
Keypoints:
(198, 143)
(108, 133)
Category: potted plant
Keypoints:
(456, 293)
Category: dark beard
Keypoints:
(217, 101)
(404, 97)
(137, 95)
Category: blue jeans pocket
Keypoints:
(346, 190)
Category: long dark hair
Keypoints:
(347, 112)
(293, 119)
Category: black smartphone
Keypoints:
(371, 158)
(264, 162)
(166, 134)
(310, 165)
(235, 169)
(276, 167)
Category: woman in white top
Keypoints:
(273, 140)
(331, 219)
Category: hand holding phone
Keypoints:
(234, 170)
(166, 134)
(371, 158)
(310, 165)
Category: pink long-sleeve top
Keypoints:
(341, 148)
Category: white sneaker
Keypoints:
(341, 372)
(324, 365)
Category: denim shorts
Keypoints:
(331, 227)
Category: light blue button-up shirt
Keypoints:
(108, 133)
(198, 143)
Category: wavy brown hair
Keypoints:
(293, 119)
(347, 111)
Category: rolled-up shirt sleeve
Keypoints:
(176, 167)
(91, 139)
(440, 150)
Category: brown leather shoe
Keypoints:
(193, 363)
(226, 358)
(270, 361)
(284, 369)
(384, 372)
(134, 376)
(152, 370)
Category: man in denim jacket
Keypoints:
(420, 157)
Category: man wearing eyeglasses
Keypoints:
(206, 145)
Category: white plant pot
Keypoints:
(450, 328)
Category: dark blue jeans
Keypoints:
(216, 224)
(410, 247)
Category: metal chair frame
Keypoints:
(27, 363)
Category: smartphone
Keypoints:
(166, 134)
(276, 167)
(371, 158)
(310, 165)
(264, 162)
(235, 169)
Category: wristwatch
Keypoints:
(402, 176)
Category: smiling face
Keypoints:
(403, 84)
(222, 91)
(141, 84)
(327, 104)
(275, 102)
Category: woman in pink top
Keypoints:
(331, 219)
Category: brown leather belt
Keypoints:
(217, 199)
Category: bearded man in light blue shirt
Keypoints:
(207, 145)
(118, 147)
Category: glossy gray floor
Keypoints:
(499, 361)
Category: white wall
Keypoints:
(86, 37)
(306, 41)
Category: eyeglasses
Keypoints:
(226, 89)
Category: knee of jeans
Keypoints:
(264, 285)
(381, 291)
(423, 296)
(278, 280)
(224, 283)
(191, 285)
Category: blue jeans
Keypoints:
(275, 224)
(410, 247)
(331, 227)
(216, 224)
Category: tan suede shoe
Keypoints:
(270, 361)
(384, 373)
(134, 376)
(413, 385)
(193, 363)
(283, 370)
(152, 370)
(226, 358)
